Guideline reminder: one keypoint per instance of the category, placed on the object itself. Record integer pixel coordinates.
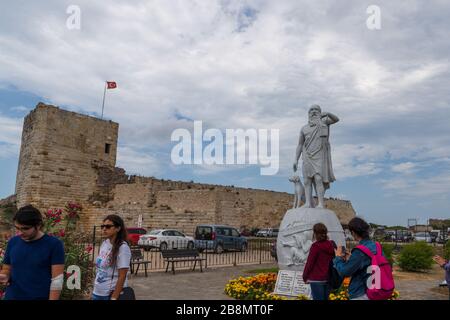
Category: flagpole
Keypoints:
(104, 94)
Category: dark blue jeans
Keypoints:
(320, 290)
(96, 297)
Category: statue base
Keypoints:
(295, 235)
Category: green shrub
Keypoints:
(6, 215)
(388, 248)
(416, 257)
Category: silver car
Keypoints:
(164, 239)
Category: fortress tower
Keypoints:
(60, 155)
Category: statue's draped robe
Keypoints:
(316, 153)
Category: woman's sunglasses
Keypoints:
(106, 226)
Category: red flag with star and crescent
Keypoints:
(111, 84)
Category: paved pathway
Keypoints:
(421, 290)
(209, 285)
(187, 284)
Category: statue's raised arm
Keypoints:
(329, 118)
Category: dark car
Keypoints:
(219, 238)
(134, 234)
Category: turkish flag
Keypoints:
(111, 84)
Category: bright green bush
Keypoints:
(416, 257)
(388, 248)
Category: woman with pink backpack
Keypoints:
(365, 261)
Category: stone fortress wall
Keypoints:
(66, 156)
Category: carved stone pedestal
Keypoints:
(296, 236)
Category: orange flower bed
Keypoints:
(259, 287)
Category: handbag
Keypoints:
(334, 278)
(127, 293)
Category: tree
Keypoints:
(397, 228)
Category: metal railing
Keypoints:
(233, 252)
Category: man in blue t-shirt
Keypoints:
(34, 262)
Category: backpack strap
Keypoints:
(366, 250)
(379, 249)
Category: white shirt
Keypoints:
(105, 283)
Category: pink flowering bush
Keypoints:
(2, 256)
(62, 223)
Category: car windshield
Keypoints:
(153, 232)
(203, 233)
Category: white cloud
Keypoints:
(20, 109)
(357, 160)
(436, 187)
(9, 151)
(422, 73)
(209, 61)
(405, 167)
(138, 162)
(10, 136)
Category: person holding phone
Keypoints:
(445, 264)
(355, 265)
(33, 265)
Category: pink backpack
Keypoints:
(382, 285)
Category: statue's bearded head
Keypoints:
(314, 114)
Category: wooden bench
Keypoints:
(181, 255)
(137, 258)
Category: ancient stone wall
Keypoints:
(64, 157)
(184, 209)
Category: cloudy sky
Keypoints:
(247, 64)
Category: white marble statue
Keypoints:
(314, 146)
(295, 236)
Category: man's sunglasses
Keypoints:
(23, 228)
(106, 226)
